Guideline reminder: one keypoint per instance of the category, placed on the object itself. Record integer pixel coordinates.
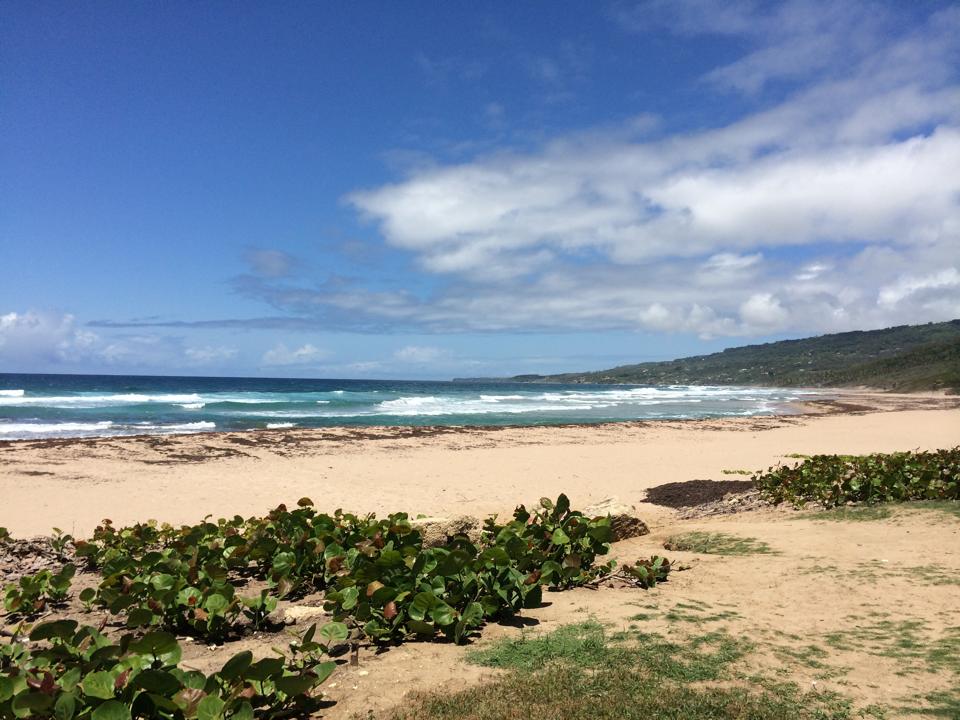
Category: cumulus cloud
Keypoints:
(41, 338)
(281, 355)
(831, 203)
(829, 210)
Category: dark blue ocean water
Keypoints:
(36, 406)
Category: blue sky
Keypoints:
(381, 189)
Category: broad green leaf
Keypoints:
(334, 632)
(350, 597)
(264, 669)
(422, 602)
(292, 685)
(63, 629)
(65, 707)
(163, 581)
(157, 681)
(324, 670)
(26, 704)
(216, 604)
(443, 614)
(421, 628)
(237, 665)
(244, 711)
(111, 710)
(98, 685)
(210, 708)
(138, 617)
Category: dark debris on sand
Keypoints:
(26, 557)
(695, 492)
(701, 498)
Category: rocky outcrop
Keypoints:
(437, 531)
(623, 518)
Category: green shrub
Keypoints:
(833, 480)
(32, 593)
(375, 572)
(75, 672)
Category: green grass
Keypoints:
(883, 511)
(908, 641)
(852, 513)
(950, 507)
(699, 613)
(922, 574)
(581, 671)
(717, 544)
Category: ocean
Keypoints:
(51, 406)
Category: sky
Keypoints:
(430, 190)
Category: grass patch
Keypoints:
(852, 513)
(717, 544)
(699, 613)
(580, 671)
(907, 641)
(922, 574)
(883, 511)
(950, 507)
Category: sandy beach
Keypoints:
(829, 605)
(73, 484)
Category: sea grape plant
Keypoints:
(647, 573)
(33, 593)
(832, 480)
(70, 672)
(375, 572)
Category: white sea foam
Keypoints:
(53, 428)
(192, 406)
(11, 393)
(95, 400)
(277, 426)
(173, 428)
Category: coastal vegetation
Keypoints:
(380, 582)
(715, 543)
(834, 480)
(583, 670)
(904, 358)
(218, 582)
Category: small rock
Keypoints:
(437, 531)
(623, 518)
(295, 614)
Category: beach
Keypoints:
(74, 483)
(831, 605)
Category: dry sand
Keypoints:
(73, 484)
(836, 605)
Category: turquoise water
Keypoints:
(38, 406)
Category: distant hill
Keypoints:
(906, 358)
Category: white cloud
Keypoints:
(904, 287)
(837, 208)
(421, 354)
(42, 338)
(303, 355)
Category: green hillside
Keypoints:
(908, 357)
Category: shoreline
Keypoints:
(830, 401)
(75, 483)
